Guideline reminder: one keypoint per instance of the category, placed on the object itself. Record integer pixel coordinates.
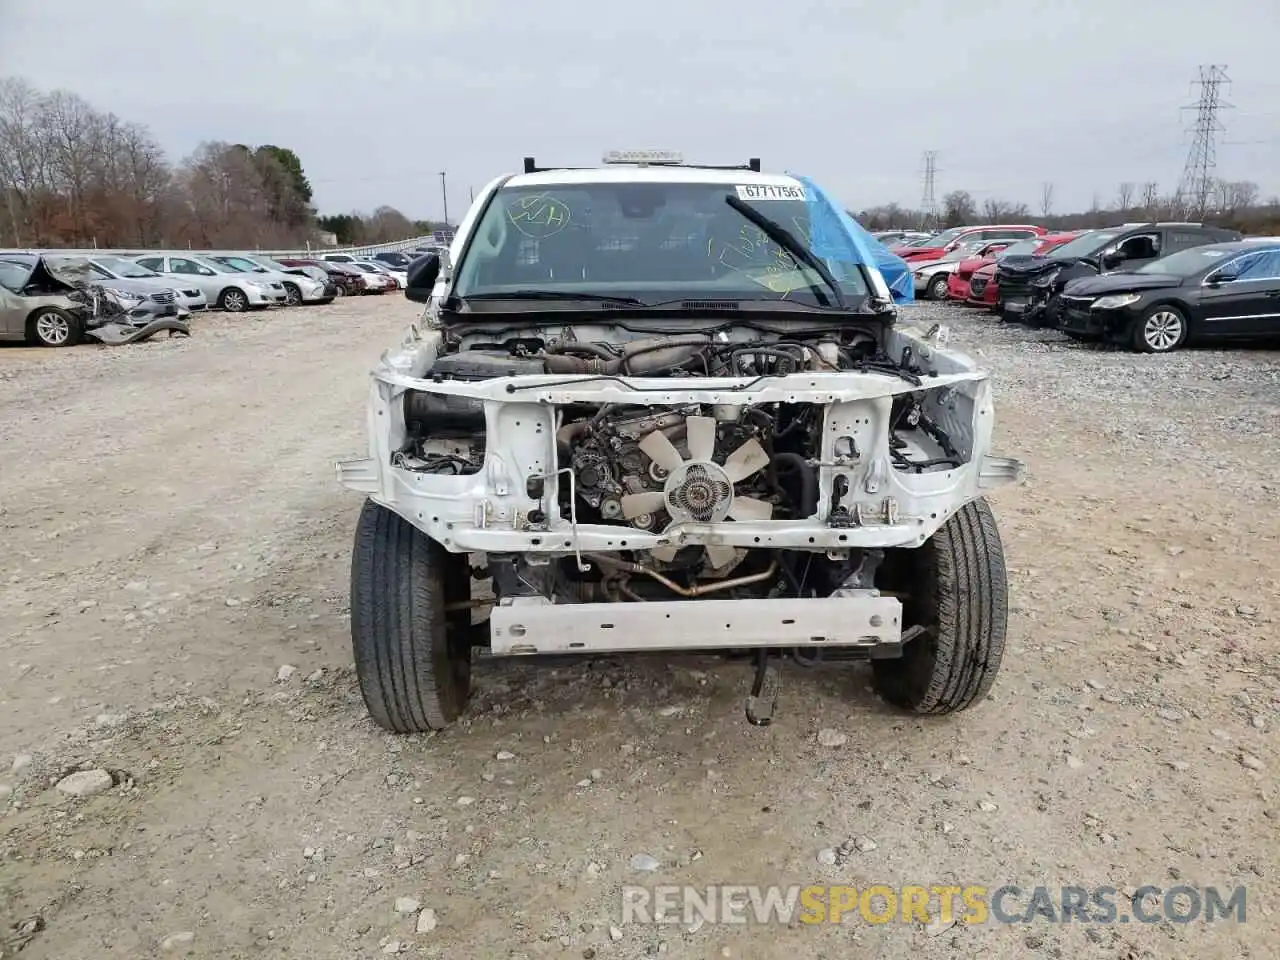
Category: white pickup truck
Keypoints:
(653, 413)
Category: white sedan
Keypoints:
(374, 280)
(401, 277)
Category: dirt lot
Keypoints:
(173, 536)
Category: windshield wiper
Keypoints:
(788, 242)
(555, 295)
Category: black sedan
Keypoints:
(1223, 291)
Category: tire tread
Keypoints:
(967, 585)
(398, 625)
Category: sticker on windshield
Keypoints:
(539, 216)
(770, 191)
(1212, 253)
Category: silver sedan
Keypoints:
(232, 290)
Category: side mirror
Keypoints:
(422, 278)
(1112, 259)
(1227, 275)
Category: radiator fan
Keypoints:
(699, 489)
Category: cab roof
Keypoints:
(655, 173)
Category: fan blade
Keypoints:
(749, 508)
(659, 448)
(701, 436)
(744, 461)
(719, 555)
(665, 554)
(638, 504)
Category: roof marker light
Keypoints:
(643, 157)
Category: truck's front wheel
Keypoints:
(413, 656)
(957, 591)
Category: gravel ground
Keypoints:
(173, 600)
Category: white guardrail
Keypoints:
(307, 253)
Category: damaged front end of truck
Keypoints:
(771, 479)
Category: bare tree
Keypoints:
(996, 211)
(1150, 197)
(387, 223)
(1245, 194)
(21, 155)
(1046, 199)
(73, 133)
(71, 175)
(889, 216)
(1231, 196)
(145, 183)
(958, 208)
(1124, 196)
(230, 204)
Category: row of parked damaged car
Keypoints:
(1153, 287)
(58, 298)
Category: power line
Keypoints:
(928, 201)
(1198, 176)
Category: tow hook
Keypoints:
(763, 699)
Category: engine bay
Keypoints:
(728, 461)
(649, 467)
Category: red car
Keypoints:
(958, 282)
(981, 289)
(946, 241)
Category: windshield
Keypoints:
(13, 275)
(218, 266)
(654, 242)
(125, 268)
(1085, 245)
(1185, 263)
(76, 268)
(943, 238)
(241, 264)
(1019, 249)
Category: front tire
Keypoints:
(292, 295)
(958, 591)
(54, 327)
(1162, 329)
(937, 288)
(413, 656)
(233, 300)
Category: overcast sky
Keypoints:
(378, 97)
